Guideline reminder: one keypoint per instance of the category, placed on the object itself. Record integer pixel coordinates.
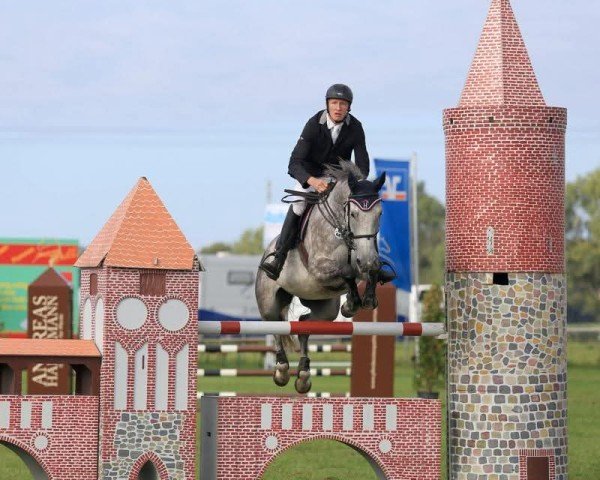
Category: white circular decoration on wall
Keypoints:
(40, 442)
(271, 442)
(173, 315)
(385, 446)
(86, 327)
(131, 313)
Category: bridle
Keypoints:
(341, 228)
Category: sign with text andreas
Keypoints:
(49, 316)
(21, 262)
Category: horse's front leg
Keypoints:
(281, 375)
(303, 382)
(369, 300)
(353, 301)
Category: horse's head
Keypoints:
(363, 215)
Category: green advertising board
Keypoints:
(22, 260)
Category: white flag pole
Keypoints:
(414, 226)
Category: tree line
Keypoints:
(582, 234)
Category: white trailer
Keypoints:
(227, 287)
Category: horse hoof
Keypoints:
(370, 303)
(302, 385)
(346, 311)
(281, 375)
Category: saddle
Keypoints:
(311, 199)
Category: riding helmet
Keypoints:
(339, 90)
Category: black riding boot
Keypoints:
(273, 263)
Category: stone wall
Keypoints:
(138, 433)
(506, 374)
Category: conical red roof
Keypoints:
(140, 234)
(501, 72)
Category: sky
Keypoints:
(207, 99)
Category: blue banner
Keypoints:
(394, 232)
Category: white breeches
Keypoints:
(300, 206)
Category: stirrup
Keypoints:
(272, 270)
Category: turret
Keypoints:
(505, 282)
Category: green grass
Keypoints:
(330, 460)
(307, 461)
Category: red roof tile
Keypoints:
(501, 72)
(140, 234)
(33, 347)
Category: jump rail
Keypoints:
(199, 395)
(234, 372)
(206, 348)
(321, 328)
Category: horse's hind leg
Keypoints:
(273, 303)
(319, 310)
(303, 382)
(281, 374)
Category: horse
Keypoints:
(338, 249)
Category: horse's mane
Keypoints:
(342, 171)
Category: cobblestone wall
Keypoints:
(507, 373)
(139, 433)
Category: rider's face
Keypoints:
(338, 109)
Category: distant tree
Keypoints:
(216, 248)
(583, 247)
(249, 243)
(431, 217)
(430, 365)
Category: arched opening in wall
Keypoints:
(323, 459)
(18, 464)
(148, 472)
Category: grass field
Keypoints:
(329, 460)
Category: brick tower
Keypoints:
(139, 294)
(505, 283)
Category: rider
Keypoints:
(329, 135)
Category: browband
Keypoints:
(364, 202)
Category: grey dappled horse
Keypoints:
(339, 248)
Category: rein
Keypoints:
(341, 231)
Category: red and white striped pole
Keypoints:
(321, 328)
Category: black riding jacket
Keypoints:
(315, 148)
